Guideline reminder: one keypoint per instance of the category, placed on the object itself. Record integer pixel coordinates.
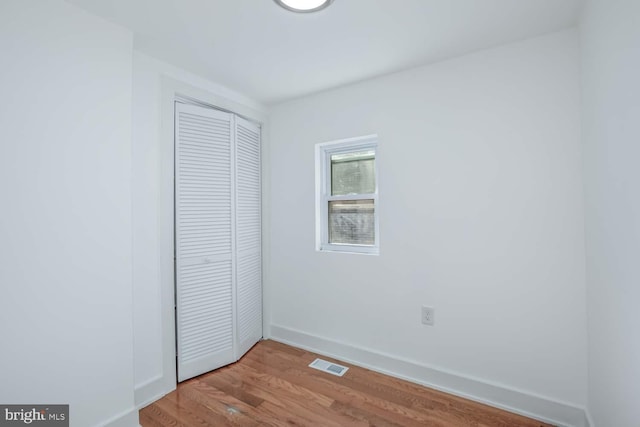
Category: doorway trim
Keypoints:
(172, 91)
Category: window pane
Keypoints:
(352, 222)
(353, 173)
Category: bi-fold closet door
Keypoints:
(218, 238)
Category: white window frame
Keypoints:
(324, 151)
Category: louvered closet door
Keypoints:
(205, 252)
(248, 232)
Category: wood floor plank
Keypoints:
(361, 414)
(233, 388)
(329, 385)
(162, 417)
(273, 404)
(149, 420)
(311, 406)
(235, 412)
(278, 385)
(272, 385)
(194, 413)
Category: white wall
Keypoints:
(151, 275)
(611, 133)
(65, 186)
(146, 133)
(481, 216)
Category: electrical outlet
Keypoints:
(428, 315)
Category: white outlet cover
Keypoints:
(428, 315)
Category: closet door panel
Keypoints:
(205, 249)
(248, 234)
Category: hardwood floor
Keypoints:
(273, 386)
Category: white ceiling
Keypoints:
(269, 54)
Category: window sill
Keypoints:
(350, 249)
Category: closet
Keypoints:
(217, 238)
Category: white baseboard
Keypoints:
(150, 391)
(127, 418)
(587, 419)
(499, 396)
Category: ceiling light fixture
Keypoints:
(304, 6)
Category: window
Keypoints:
(347, 196)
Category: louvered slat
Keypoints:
(248, 235)
(204, 239)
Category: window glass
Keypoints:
(352, 222)
(353, 173)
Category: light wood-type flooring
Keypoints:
(273, 386)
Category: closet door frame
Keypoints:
(174, 90)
